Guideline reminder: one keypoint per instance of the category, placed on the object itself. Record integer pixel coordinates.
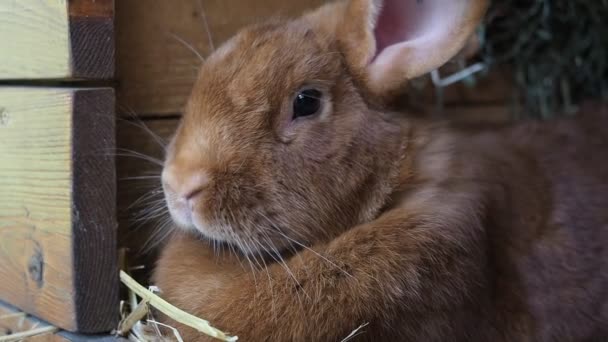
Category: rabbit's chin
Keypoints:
(218, 233)
(191, 222)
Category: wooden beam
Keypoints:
(57, 206)
(56, 39)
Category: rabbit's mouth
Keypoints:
(246, 240)
(250, 232)
(188, 218)
(229, 237)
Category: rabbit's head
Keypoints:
(285, 140)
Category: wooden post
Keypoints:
(57, 206)
(57, 174)
(14, 323)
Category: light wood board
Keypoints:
(56, 39)
(57, 205)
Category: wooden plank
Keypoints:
(14, 321)
(155, 70)
(56, 39)
(57, 212)
(94, 211)
(92, 38)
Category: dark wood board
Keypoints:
(92, 38)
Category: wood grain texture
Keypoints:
(57, 230)
(56, 39)
(91, 8)
(34, 39)
(155, 70)
(13, 321)
(94, 211)
(92, 38)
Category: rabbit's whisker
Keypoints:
(188, 46)
(206, 25)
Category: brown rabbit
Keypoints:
(329, 211)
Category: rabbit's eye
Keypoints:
(307, 102)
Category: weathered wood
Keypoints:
(14, 321)
(57, 213)
(92, 38)
(91, 8)
(155, 70)
(56, 39)
(94, 210)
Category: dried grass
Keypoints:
(558, 50)
(132, 324)
(34, 332)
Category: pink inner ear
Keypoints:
(403, 21)
(399, 20)
(414, 37)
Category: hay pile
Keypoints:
(557, 49)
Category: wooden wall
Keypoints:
(156, 71)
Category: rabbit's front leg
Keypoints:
(419, 261)
(190, 268)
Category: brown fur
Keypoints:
(425, 231)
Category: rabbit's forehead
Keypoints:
(266, 59)
(249, 79)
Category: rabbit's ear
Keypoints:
(391, 41)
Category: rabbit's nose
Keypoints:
(185, 185)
